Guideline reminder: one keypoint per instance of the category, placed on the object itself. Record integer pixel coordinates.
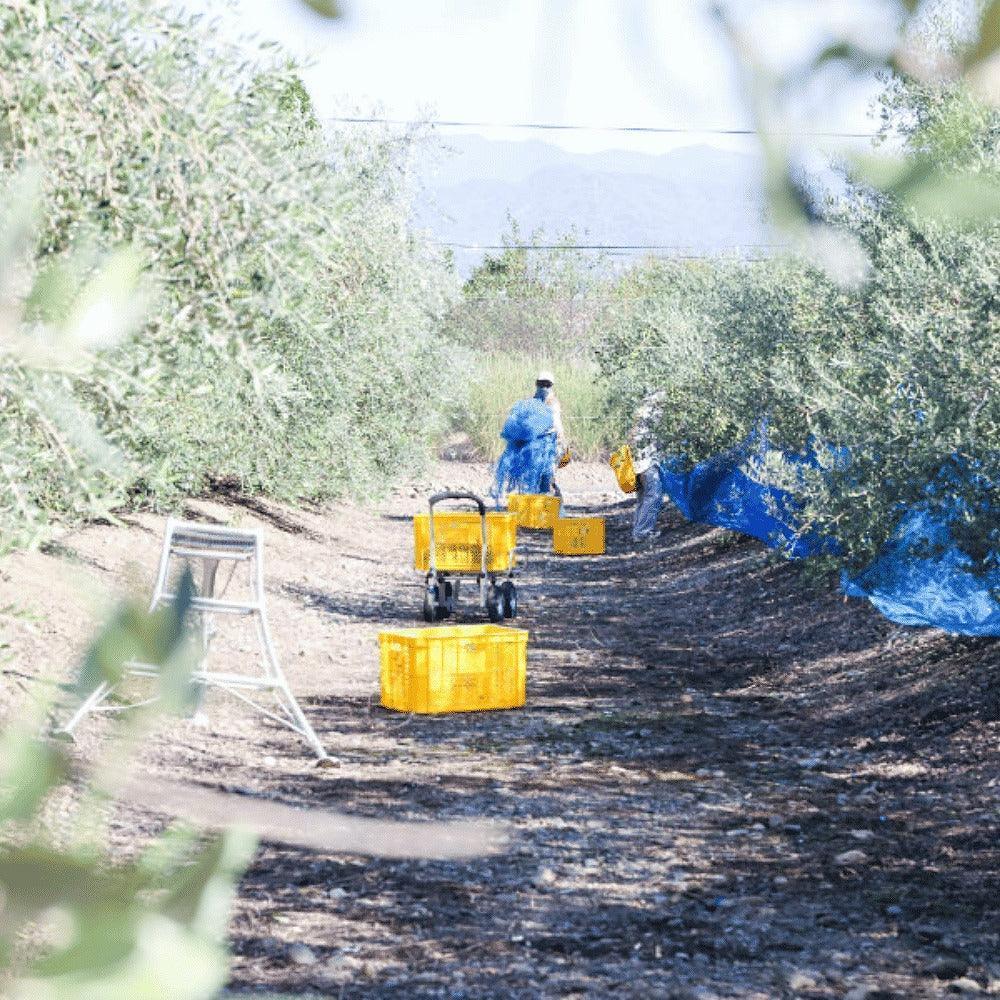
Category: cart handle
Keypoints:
(449, 495)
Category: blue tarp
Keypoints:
(920, 577)
(529, 458)
(721, 491)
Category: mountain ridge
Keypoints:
(697, 198)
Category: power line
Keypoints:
(743, 258)
(589, 246)
(557, 127)
(624, 250)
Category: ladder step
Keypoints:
(209, 536)
(212, 678)
(231, 555)
(217, 606)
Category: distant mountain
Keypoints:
(695, 198)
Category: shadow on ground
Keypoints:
(725, 780)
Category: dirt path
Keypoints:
(724, 785)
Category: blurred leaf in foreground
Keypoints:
(136, 635)
(325, 8)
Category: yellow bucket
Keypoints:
(458, 540)
(579, 536)
(622, 463)
(454, 668)
(534, 510)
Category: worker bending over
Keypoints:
(646, 458)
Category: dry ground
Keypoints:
(705, 739)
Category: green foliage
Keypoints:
(915, 401)
(900, 370)
(325, 8)
(536, 298)
(291, 341)
(722, 341)
(99, 926)
(951, 50)
(537, 304)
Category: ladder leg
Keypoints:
(291, 705)
(274, 671)
(209, 568)
(92, 701)
(161, 570)
(283, 692)
(104, 689)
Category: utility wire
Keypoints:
(692, 256)
(628, 250)
(591, 246)
(556, 127)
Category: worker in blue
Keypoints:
(535, 441)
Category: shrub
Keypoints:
(899, 373)
(536, 297)
(537, 304)
(291, 344)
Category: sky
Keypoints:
(661, 63)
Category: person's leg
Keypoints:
(637, 509)
(546, 459)
(649, 501)
(553, 485)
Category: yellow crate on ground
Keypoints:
(579, 536)
(454, 668)
(458, 541)
(534, 510)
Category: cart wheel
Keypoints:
(430, 603)
(508, 595)
(494, 603)
(441, 609)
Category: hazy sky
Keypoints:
(593, 62)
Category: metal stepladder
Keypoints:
(214, 545)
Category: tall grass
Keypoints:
(527, 308)
(498, 380)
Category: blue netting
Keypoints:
(528, 461)
(921, 577)
(528, 419)
(724, 491)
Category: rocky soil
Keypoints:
(726, 782)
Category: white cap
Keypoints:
(545, 376)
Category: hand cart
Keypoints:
(457, 544)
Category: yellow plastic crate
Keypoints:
(458, 539)
(578, 536)
(534, 510)
(454, 668)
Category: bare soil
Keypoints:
(726, 783)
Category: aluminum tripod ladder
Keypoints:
(188, 541)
